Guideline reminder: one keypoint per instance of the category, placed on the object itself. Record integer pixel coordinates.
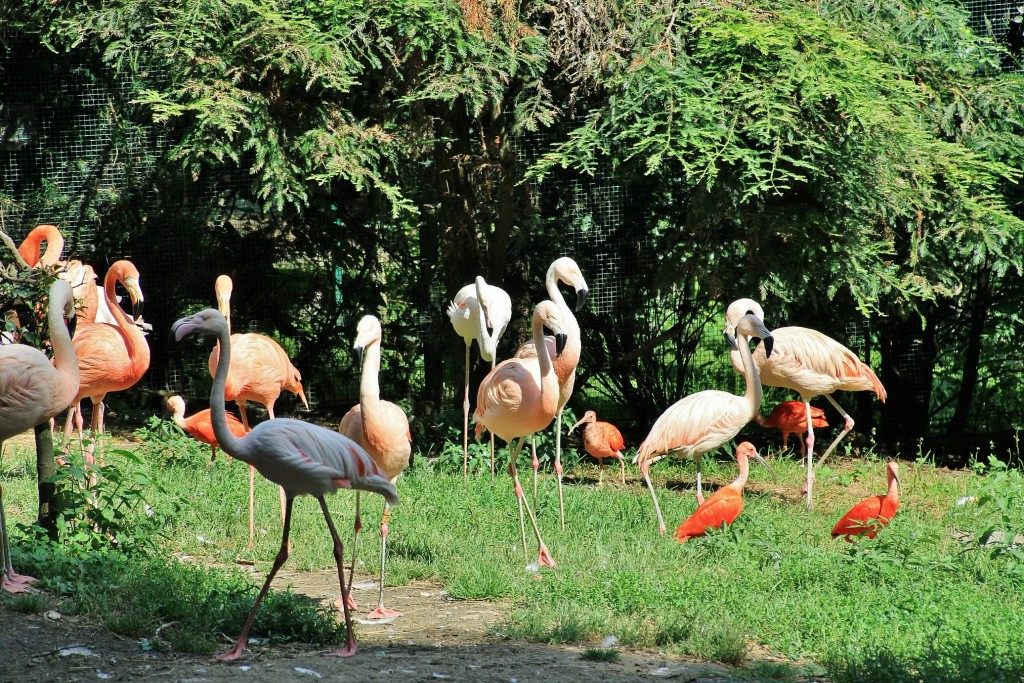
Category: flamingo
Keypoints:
(497, 307)
(602, 440)
(302, 458)
(565, 270)
(110, 357)
(724, 505)
(811, 364)
(261, 370)
(382, 428)
(702, 422)
(32, 390)
(789, 418)
(871, 514)
(469, 320)
(519, 397)
(200, 425)
(80, 276)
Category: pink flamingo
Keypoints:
(32, 390)
(565, 270)
(519, 397)
(871, 514)
(302, 458)
(811, 364)
(260, 371)
(789, 418)
(724, 505)
(200, 425)
(80, 276)
(382, 428)
(602, 440)
(110, 357)
(702, 422)
(469, 320)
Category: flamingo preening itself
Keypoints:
(469, 319)
(702, 422)
(382, 428)
(520, 397)
(302, 458)
(871, 514)
(724, 505)
(602, 440)
(32, 390)
(811, 364)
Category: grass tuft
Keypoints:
(600, 654)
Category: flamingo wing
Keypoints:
(813, 363)
(695, 424)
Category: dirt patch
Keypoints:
(436, 639)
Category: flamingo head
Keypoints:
(175, 404)
(567, 270)
(368, 332)
(589, 416)
(750, 325)
(208, 321)
(737, 309)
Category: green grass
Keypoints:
(914, 604)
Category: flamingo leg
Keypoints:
(518, 492)
(536, 466)
(810, 454)
(383, 612)
(282, 555)
(644, 469)
(544, 556)
(339, 558)
(356, 527)
(10, 581)
(493, 363)
(700, 490)
(465, 425)
(847, 427)
(252, 507)
(558, 465)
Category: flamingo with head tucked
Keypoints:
(382, 428)
(32, 390)
(561, 270)
(302, 458)
(469, 320)
(812, 364)
(519, 397)
(702, 422)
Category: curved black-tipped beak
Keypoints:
(72, 325)
(560, 340)
(731, 339)
(358, 350)
(769, 344)
(581, 298)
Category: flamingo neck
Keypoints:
(369, 382)
(231, 444)
(546, 369)
(63, 352)
(488, 345)
(29, 249)
(135, 340)
(753, 394)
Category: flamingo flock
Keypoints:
(519, 397)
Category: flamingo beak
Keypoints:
(581, 297)
(769, 344)
(731, 339)
(183, 328)
(560, 341)
(358, 351)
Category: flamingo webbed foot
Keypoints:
(346, 651)
(382, 613)
(544, 558)
(348, 601)
(232, 654)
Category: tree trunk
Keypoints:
(972, 354)
(908, 362)
(45, 469)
